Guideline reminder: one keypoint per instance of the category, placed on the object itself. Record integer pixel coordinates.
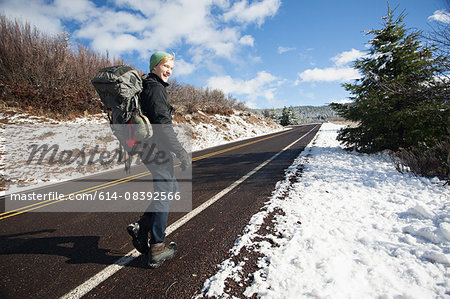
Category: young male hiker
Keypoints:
(156, 107)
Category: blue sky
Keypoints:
(265, 53)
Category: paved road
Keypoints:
(48, 255)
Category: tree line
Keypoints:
(295, 115)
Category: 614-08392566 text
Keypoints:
(94, 161)
(96, 195)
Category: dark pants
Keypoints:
(154, 219)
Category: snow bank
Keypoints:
(217, 129)
(352, 227)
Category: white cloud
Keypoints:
(80, 10)
(48, 16)
(247, 40)
(329, 74)
(36, 13)
(343, 101)
(116, 44)
(254, 59)
(440, 16)
(251, 104)
(183, 68)
(260, 86)
(339, 72)
(347, 56)
(144, 26)
(256, 12)
(282, 50)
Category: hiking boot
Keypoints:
(159, 253)
(140, 238)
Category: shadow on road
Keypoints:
(78, 249)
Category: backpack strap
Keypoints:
(109, 115)
(148, 126)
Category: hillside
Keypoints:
(301, 114)
(21, 130)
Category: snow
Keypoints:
(20, 130)
(351, 227)
(220, 129)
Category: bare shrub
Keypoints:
(45, 74)
(189, 99)
(431, 160)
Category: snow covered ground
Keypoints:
(344, 225)
(341, 224)
(20, 130)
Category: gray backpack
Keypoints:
(119, 88)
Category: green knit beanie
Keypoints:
(156, 58)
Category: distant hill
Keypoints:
(300, 114)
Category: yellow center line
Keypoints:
(236, 147)
(39, 205)
(74, 193)
(53, 201)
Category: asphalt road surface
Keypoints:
(51, 254)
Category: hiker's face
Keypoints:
(164, 70)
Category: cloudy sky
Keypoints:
(265, 53)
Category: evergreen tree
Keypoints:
(293, 116)
(285, 118)
(398, 102)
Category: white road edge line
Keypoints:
(95, 280)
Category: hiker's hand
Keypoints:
(185, 161)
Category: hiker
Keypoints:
(156, 107)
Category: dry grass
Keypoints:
(46, 75)
(43, 74)
(344, 122)
(430, 161)
(189, 99)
